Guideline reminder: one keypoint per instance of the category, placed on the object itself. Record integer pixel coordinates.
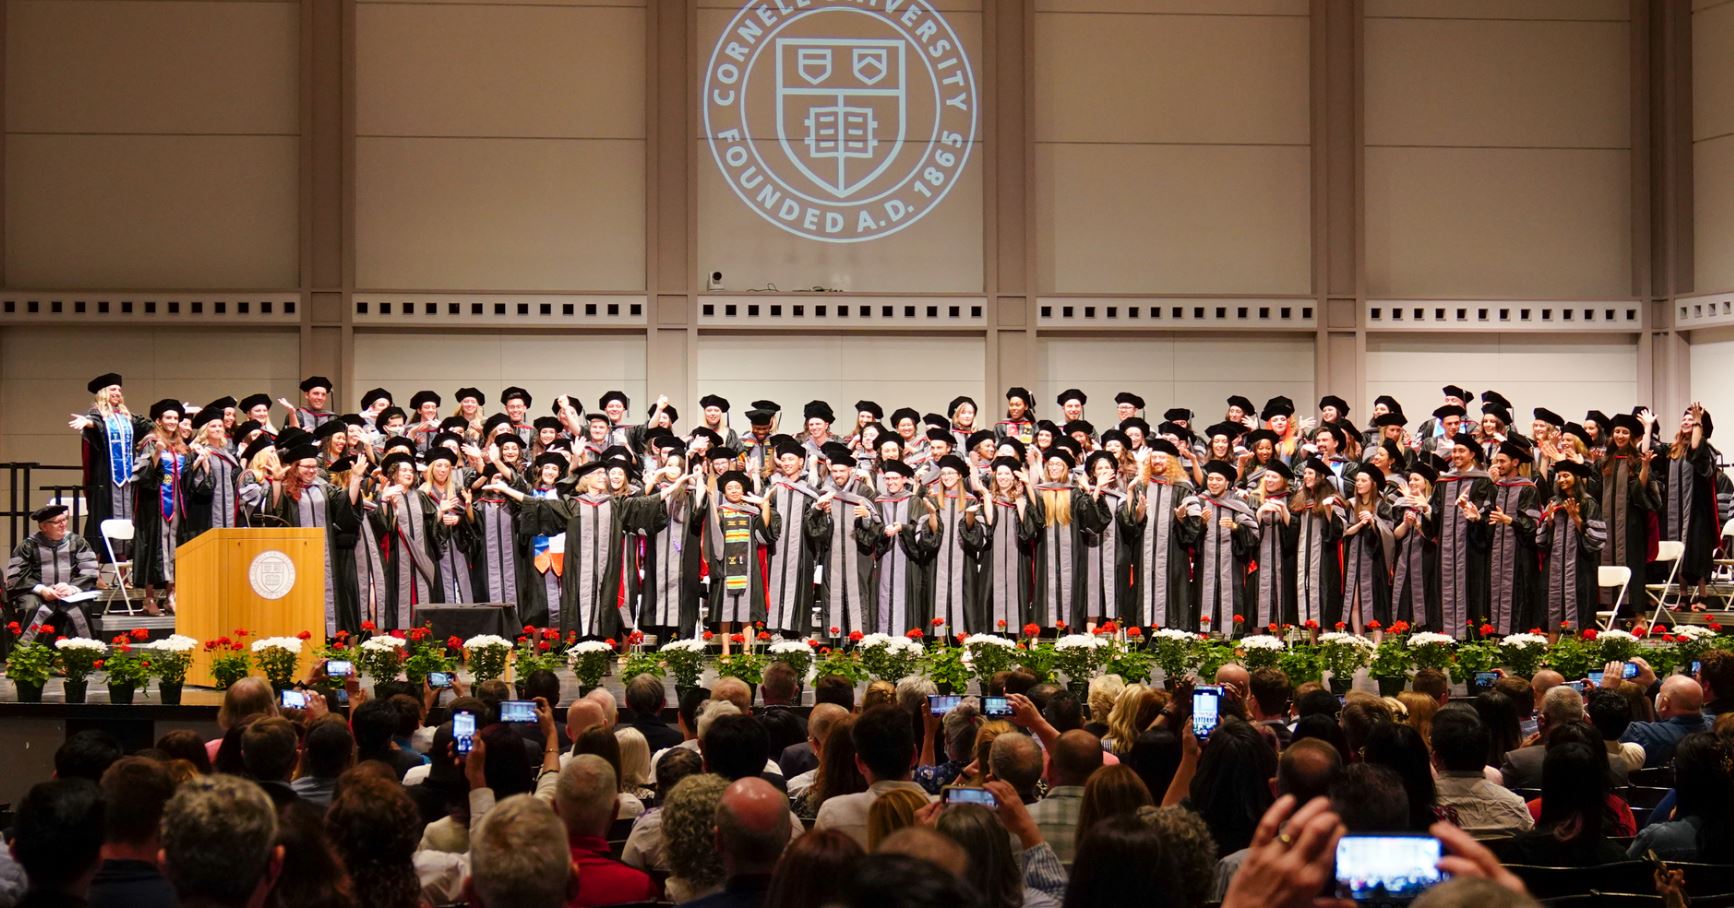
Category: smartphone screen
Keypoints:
(1485, 680)
(996, 707)
(463, 731)
(1386, 868)
(339, 668)
(1595, 677)
(294, 699)
(439, 679)
(1630, 671)
(971, 796)
(1697, 666)
(940, 704)
(1204, 710)
(518, 712)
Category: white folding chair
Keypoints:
(1724, 571)
(1668, 551)
(119, 529)
(1607, 577)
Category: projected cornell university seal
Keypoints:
(840, 120)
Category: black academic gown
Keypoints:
(1628, 507)
(717, 520)
(1415, 577)
(1221, 559)
(1463, 547)
(953, 573)
(672, 553)
(159, 516)
(900, 593)
(1270, 577)
(501, 558)
(1573, 555)
(108, 451)
(594, 589)
(1008, 567)
(843, 543)
(1107, 559)
(214, 494)
(1161, 544)
(1318, 561)
(1514, 590)
(1688, 489)
(1368, 550)
(410, 531)
(1060, 576)
(327, 507)
(790, 585)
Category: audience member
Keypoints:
(1306, 769)
(813, 870)
(1611, 714)
(1570, 830)
(992, 869)
(374, 825)
(1074, 758)
(58, 840)
(885, 753)
(518, 859)
(834, 689)
(1230, 785)
(900, 881)
(86, 755)
(314, 874)
(586, 800)
(892, 811)
(752, 829)
(1504, 718)
(1123, 727)
(1369, 799)
(1155, 757)
(644, 845)
(1321, 727)
(134, 792)
(374, 725)
(1110, 791)
(248, 697)
(645, 700)
(958, 728)
(820, 721)
(1679, 712)
(1432, 683)
(1419, 710)
(1460, 748)
(219, 843)
(784, 727)
(1103, 691)
(1716, 678)
(327, 751)
(689, 837)
(1401, 748)
(1188, 849)
(839, 773)
(1016, 760)
(1269, 702)
(1702, 829)
(1121, 862)
(1521, 768)
(185, 744)
(927, 843)
(269, 750)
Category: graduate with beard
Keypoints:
(843, 528)
(1160, 520)
(1270, 578)
(1415, 578)
(1229, 538)
(1630, 500)
(1368, 549)
(955, 522)
(1515, 563)
(1107, 559)
(739, 528)
(1571, 537)
(303, 499)
(1459, 497)
(1318, 511)
(792, 490)
(902, 553)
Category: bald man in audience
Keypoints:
(752, 829)
(1307, 769)
(1072, 759)
(1679, 712)
(1235, 675)
(587, 800)
(820, 721)
(610, 707)
(582, 716)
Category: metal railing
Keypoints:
(24, 494)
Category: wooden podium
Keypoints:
(269, 581)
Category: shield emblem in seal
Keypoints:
(271, 575)
(841, 110)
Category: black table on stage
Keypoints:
(466, 620)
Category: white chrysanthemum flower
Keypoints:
(1693, 631)
(1262, 641)
(287, 644)
(1169, 633)
(1078, 641)
(689, 644)
(84, 643)
(1338, 638)
(383, 642)
(591, 646)
(487, 641)
(790, 646)
(174, 643)
(987, 640)
(1428, 638)
(1523, 641)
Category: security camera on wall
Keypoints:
(715, 281)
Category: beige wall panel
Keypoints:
(43, 373)
(1606, 10)
(166, 67)
(1713, 213)
(706, 7)
(1126, 78)
(527, 71)
(1174, 371)
(142, 212)
(1498, 223)
(499, 214)
(1713, 371)
(1179, 7)
(1173, 219)
(1713, 72)
(1501, 83)
(940, 253)
(547, 365)
(604, 3)
(840, 369)
(1570, 375)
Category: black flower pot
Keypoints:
(170, 693)
(121, 694)
(1391, 687)
(75, 689)
(27, 692)
(1340, 686)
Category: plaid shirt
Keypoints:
(1057, 817)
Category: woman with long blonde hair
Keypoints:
(1123, 728)
(1688, 488)
(1062, 513)
(214, 493)
(1161, 519)
(1006, 577)
(454, 543)
(1415, 579)
(954, 518)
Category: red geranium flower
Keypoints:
(764, 635)
(1715, 625)
(708, 635)
(1002, 623)
(938, 622)
(609, 641)
(1271, 627)
(1537, 630)
(1312, 625)
(544, 646)
(961, 637)
(522, 639)
(339, 645)
(1239, 619)
(240, 632)
(551, 633)
(1061, 625)
(914, 633)
(139, 633)
(119, 640)
(1488, 630)
(529, 629)
(1134, 631)
(304, 635)
(855, 636)
(1640, 632)
(370, 627)
(1205, 619)
(812, 642)
(1590, 633)
(1032, 629)
(835, 630)
(1375, 625)
(1339, 625)
(1108, 627)
(737, 638)
(635, 638)
(454, 642)
(342, 634)
(824, 651)
(13, 628)
(98, 664)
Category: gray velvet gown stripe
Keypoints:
(327, 507)
(791, 582)
(1059, 576)
(1367, 555)
(414, 576)
(1463, 588)
(214, 494)
(596, 526)
(371, 590)
(1515, 567)
(894, 571)
(1318, 566)
(38, 561)
(1626, 505)
(670, 576)
(1573, 556)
